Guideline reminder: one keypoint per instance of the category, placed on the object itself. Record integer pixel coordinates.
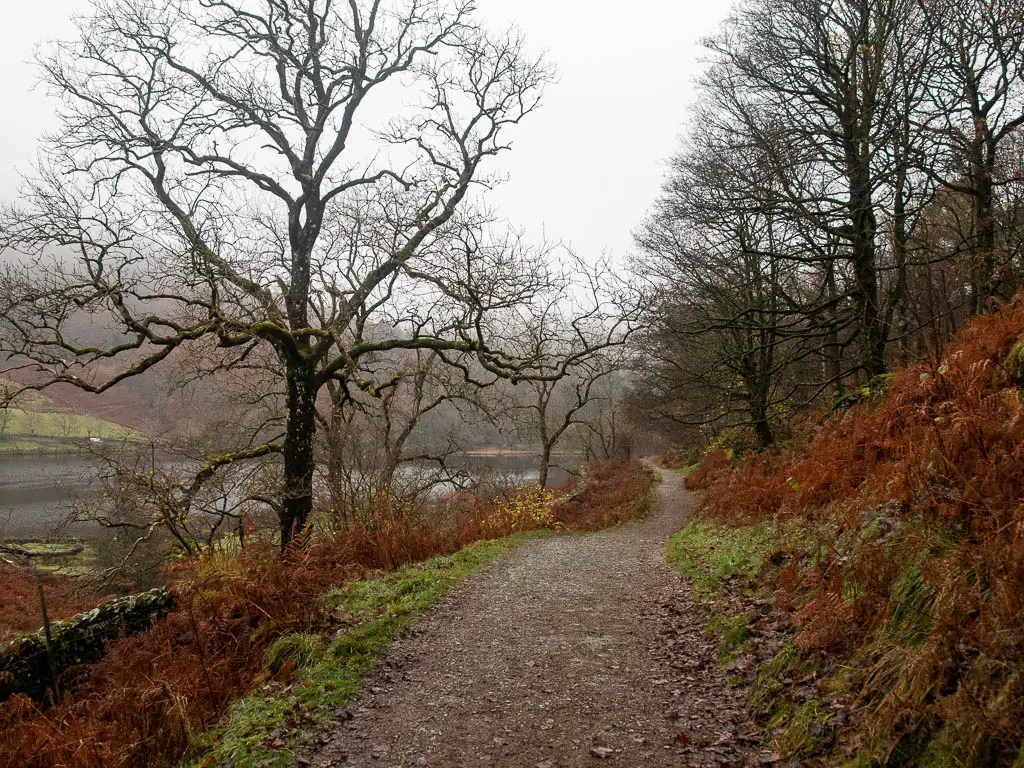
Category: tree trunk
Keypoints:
(895, 318)
(298, 454)
(987, 263)
(763, 430)
(863, 229)
(757, 388)
(873, 329)
(545, 464)
(543, 400)
(832, 351)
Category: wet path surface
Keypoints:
(570, 651)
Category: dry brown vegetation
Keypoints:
(616, 491)
(19, 602)
(912, 576)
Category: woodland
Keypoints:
(262, 236)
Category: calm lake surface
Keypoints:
(37, 491)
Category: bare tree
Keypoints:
(978, 104)
(736, 281)
(839, 82)
(559, 405)
(607, 431)
(211, 180)
(850, 186)
(155, 496)
(578, 344)
(390, 445)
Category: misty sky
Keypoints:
(583, 169)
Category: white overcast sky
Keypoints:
(583, 169)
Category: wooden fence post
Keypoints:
(51, 662)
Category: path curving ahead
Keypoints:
(570, 651)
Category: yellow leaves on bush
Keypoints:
(527, 510)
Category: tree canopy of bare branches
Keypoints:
(848, 190)
(298, 176)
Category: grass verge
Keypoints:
(729, 567)
(708, 554)
(315, 675)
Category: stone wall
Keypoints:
(81, 639)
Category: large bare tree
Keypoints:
(291, 175)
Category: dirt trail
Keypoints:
(570, 651)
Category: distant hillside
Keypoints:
(31, 430)
(152, 403)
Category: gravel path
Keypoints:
(570, 651)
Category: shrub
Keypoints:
(678, 458)
(528, 509)
(711, 465)
(613, 492)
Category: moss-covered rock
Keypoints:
(870, 391)
(1012, 368)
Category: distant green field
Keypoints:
(19, 429)
(17, 444)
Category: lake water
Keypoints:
(37, 491)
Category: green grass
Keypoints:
(731, 632)
(948, 747)
(767, 686)
(297, 648)
(375, 611)
(10, 444)
(708, 554)
(913, 602)
(804, 728)
(86, 563)
(22, 426)
(81, 564)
